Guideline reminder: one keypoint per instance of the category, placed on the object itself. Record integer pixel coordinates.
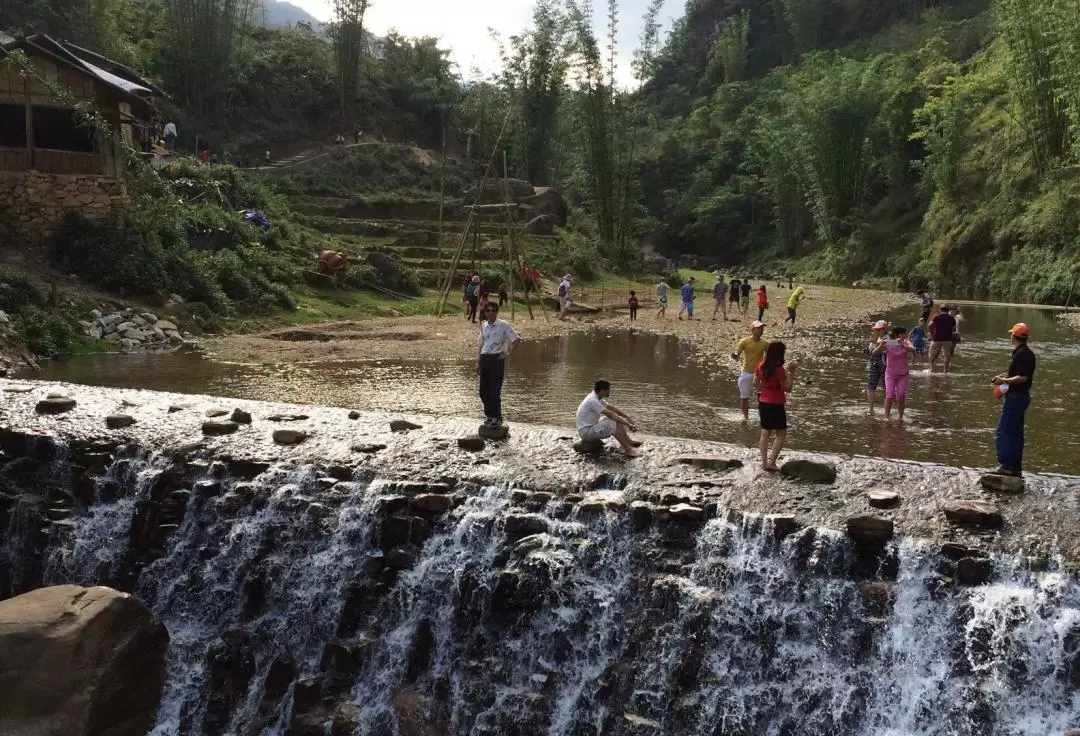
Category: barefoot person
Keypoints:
(1016, 383)
(719, 295)
(564, 296)
(875, 361)
(772, 382)
(661, 299)
(942, 336)
(687, 293)
(597, 419)
(497, 341)
(793, 305)
(752, 349)
(898, 352)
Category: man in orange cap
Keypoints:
(1010, 430)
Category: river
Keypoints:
(674, 390)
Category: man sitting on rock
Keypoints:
(597, 419)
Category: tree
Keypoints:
(347, 31)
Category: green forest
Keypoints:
(907, 143)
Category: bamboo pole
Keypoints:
(509, 239)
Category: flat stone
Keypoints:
(472, 443)
(1002, 483)
(589, 447)
(810, 471)
(287, 417)
(974, 570)
(684, 512)
(493, 433)
(240, 416)
(215, 427)
(601, 501)
(119, 421)
(435, 503)
(519, 526)
(166, 326)
(708, 462)
(403, 425)
(882, 499)
(173, 408)
(783, 524)
(289, 436)
(974, 512)
(534, 542)
(869, 529)
(354, 414)
(216, 411)
(368, 449)
(55, 404)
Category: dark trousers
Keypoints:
(474, 302)
(633, 313)
(492, 370)
(760, 313)
(1010, 430)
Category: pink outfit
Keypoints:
(896, 371)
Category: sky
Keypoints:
(463, 26)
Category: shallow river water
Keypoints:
(673, 391)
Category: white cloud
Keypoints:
(463, 26)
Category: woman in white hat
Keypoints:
(875, 363)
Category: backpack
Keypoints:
(562, 289)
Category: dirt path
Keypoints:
(450, 337)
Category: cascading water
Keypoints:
(299, 603)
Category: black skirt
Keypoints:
(772, 416)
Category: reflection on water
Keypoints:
(950, 418)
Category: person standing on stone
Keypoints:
(597, 419)
(942, 335)
(687, 293)
(772, 382)
(752, 349)
(1016, 385)
(661, 299)
(564, 296)
(719, 295)
(496, 342)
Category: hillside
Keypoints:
(281, 14)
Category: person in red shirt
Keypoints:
(772, 382)
(762, 303)
(204, 155)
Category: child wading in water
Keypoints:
(633, 306)
(897, 349)
(772, 382)
(918, 339)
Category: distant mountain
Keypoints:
(279, 14)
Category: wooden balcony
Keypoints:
(51, 161)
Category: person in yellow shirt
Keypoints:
(752, 349)
(793, 304)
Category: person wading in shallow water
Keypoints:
(497, 341)
(597, 419)
(772, 382)
(1016, 384)
(752, 350)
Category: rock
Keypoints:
(240, 416)
(809, 471)
(173, 408)
(166, 326)
(878, 596)
(708, 462)
(684, 512)
(55, 404)
(882, 499)
(149, 318)
(403, 425)
(869, 529)
(433, 503)
(589, 447)
(354, 414)
(955, 551)
(534, 542)
(128, 345)
(80, 661)
(973, 512)
(287, 417)
(289, 436)
(94, 314)
(216, 428)
(493, 433)
(96, 331)
(519, 526)
(119, 421)
(112, 338)
(472, 443)
(216, 411)
(783, 524)
(346, 720)
(1002, 483)
(368, 449)
(974, 570)
(401, 558)
(641, 514)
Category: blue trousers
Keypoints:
(1010, 430)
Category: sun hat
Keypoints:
(1020, 330)
(566, 277)
(881, 325)
(756, 323)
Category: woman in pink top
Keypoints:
(772, 382)
(897, 351)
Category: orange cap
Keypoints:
(1020, 330)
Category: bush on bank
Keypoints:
(47, 334)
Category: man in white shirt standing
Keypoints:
(597, 419)
(497, 341)
(564, 296)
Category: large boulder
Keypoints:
(546, 202)
(79, 662)
(809, 471)
(539, 225)
(496, 190)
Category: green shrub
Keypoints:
(18, 291)
(109, 255)
(46, 333)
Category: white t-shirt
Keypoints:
(496, 338)
(590, 411)
(170, 129)
(564, 289)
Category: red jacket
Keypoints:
(762, 299)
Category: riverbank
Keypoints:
(452, 337)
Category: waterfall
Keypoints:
(300, 602)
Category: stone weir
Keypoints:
(322, 571)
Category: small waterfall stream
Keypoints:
(302, 603)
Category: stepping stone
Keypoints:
(684, 512)
(589, 447)
(119, 421)
(368, 448)
(216, 428)
(403, 425)
(173, 408)
(1002, 483)
(882, 499)
(215, 412)
(287, 417)
(55, 404)
(240, 416)
(472, 443)
(354, 414)
(435, 503)
(289, 436)
(493, 433)
(708, 462)
(809, 471)
(974, 512)
(869, 529)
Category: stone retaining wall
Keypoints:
(38, 201)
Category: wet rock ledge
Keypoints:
(873, 501)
